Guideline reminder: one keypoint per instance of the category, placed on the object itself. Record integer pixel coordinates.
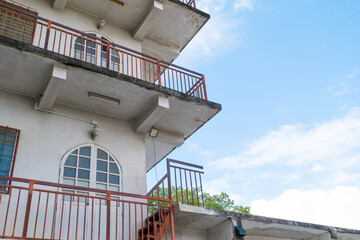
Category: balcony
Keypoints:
(43, 210)
(26, 26)
(33, 209)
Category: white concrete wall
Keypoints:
(45, 138)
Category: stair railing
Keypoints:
(182, 184)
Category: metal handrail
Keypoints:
(186, 182)
(64, 40)
(44, 210)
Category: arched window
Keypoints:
(92, 50)
(91, 166)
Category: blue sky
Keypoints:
(287, 73)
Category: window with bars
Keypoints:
(8, 144)
(15, 24)
(93, 167)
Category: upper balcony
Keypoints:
(164, 27)
(61, 66)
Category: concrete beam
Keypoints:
(53, 86)
(151, 114)
(173, 139)
(59, 4)
(143, 27)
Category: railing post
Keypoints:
(204, 86)
(47, 35)
(172, 221)
(27, 211)
(158, 70)
(108, 208)
(169, 177)
(107, 54)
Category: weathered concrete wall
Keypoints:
(45, 138)
(222, 231)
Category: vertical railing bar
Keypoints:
(108, 217)
(187, 192)
(202, 193)
(123, 221)
(176, 187)
(68, 229)
(85, 210)
(142, 222)
(99, 218)
(53, 222)
(192, 193)
(17, 24)
(46, 208)
(16, 212)
(92, 217)
(181, 186)
(7, 210)
(197, 190)
(62, 213)
(135, 221)
(117, 217)
(129, 221)
(37, 215)
(28, 206)
(77, 216)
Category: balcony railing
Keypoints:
(182, 184)
(31, 209)
(189, 2)
(25, 26)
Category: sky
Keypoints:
(287, 74)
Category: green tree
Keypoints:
(217, 202)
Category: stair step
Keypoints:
(158, 214)
(145, 230)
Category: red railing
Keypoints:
(189, 2)
(182, 184)
(31, 209)
(58, 38)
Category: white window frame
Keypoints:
(93, 169)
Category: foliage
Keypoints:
(194, 198)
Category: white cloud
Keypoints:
(338, 207)
(325, 144)
(244, 5)
(348, 85)
(219, 34)
(353, 74)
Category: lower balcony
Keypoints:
(31, 209)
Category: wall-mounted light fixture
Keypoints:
(101, 24)
(104, 98)
(154, 132)
(95, 132)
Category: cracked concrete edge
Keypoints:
(25, 47)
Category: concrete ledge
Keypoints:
(92, 67)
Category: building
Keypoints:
(90, 101)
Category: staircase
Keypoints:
(156, 226)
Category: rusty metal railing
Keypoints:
(31, 209)
(182, 184)
(189, 2)
(43, 33)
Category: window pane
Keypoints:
(114, 188)
(101, 166)
(71, 161)
(75, 152)
(114, 179)
(101, 154)
(69, 181)
(85, 151)
(84, 162)
(69, 172)
(111, 159)
(101, 177)
(101, 186)
(113, 168)
(83, 174)
(83, 183)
